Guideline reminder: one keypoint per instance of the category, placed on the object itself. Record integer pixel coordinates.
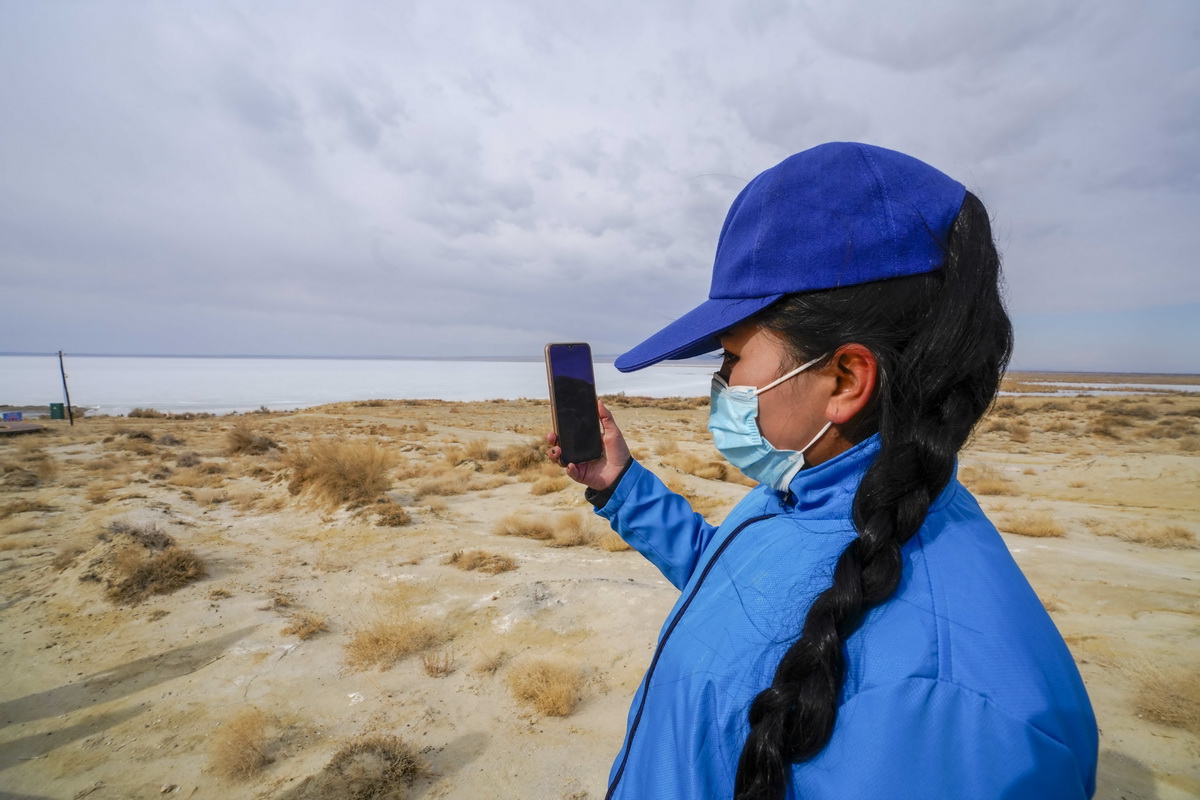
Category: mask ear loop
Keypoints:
(820, 433)
(791, 374)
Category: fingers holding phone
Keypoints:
(585, 439)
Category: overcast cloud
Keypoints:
(442, 178)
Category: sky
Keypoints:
(455, 179)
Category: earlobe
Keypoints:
(854, 371)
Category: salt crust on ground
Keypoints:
(109, 701)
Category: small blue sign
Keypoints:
(12, 416)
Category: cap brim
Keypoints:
(695, 333)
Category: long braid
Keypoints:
(941, 341)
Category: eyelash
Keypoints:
(728, 357)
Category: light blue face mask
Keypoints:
(733, 421)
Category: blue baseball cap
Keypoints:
(839, 214)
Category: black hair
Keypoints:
(941, 341)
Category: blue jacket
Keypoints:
(959, 686)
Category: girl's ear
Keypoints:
(853, 368)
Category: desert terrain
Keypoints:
(402, 599)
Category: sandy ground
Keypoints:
(106, 699)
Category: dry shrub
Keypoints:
(1106, 425)
(241, 439)
(193, 478)
(996, 426)
(391, 515)
(149, 535)
(239, 747)
(709, 469)
(665, 446)
(489, 663)
(549, 485)
(438, 664)
(478, 450)
(1005, 407)
(446, 485)
(1060, 426)
(16, 544)
(386, 642)
(188, 459)
(518, 458)
(146, 413)
(337, 473)
(209, 497)
(67, 555)
(612, 542)
(1169, 536)
(161, 573)
(23, 507)
(169, 440)
(1168, 696)
(1019, 432)
(1135, 410)
(1189, 444)
(369, 768)
(551, 687)
(1035, 523)
(483, 561)
(524, 525)
(574, 531)
(305, 624)
(986, 480)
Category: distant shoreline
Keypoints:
(1072, 376)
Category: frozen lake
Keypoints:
(114, 385)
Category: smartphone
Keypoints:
(573, 401)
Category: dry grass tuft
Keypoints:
(574, 531)
(306, 625)
(549, 485)
(388, 641)
(369, 768)
(551, 687)
(23, 507)
(439, 663)
(665, 446)
(1036, 523)
(478, 450)
(239, 747)
(986, 480)
(1174, 537)
(391, 515)
(489, 663)
(518, 458)
(161, 573)
(67, 555)
(612, 542)
(491, 563)
(338, 473)
(1169, 697)
(448, 484)
(524, 525)
(241, 439)
(149, 536)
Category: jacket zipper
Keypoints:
(637, 718)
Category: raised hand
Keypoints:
(598, 474)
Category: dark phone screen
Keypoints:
(573, 390)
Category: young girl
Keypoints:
(856, 627)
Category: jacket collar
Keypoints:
(827, 490)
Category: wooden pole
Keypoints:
(62, 370)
